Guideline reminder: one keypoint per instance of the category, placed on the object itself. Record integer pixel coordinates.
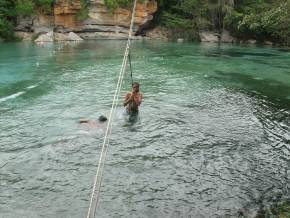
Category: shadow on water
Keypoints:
(238, 54)
(275, 91)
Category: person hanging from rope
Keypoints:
(133, 99)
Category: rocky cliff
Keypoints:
(101, 23)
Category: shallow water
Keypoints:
(212, 138)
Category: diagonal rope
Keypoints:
(101, 163)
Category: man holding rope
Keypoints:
(133, 99)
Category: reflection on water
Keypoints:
(211, 139)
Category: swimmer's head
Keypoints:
(102, 118)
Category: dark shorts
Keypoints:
(131, 112)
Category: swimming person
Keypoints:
(133, 99)
(93, 123)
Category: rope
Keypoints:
(131, 68)
(101, 163)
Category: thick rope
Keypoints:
(101, 163)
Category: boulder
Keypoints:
(74, 37)
(251, 41)
(268, 43)
(227, 38)
(46, 37)
(60, 37)
(207, 36)
(180, 40)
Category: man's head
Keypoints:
(135, 87)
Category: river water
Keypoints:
(212, 138)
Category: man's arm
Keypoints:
(128, 99)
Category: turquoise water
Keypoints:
(212, 138)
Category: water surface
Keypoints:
(212, 138)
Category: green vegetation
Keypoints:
(84, 12)
(193, 16)
(7, 13)
(262, 22)
(11, 9)
(114, 4)
(246, 19)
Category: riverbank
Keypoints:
(225, 22)
(157, 33)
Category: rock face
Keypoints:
(25, 36)
(209, 37)
(101, 22)
(227, 38)
(65, 14)
(158, 33)
(224, 37)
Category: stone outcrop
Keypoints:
(51, 36)
(24, 24)
(65, 14)
(209, 37)
(268, 43)
(46, 37)
(250, 41)
(159, 33)
(101, 22)
(25, 36)
(74, 37)
(227, 38)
